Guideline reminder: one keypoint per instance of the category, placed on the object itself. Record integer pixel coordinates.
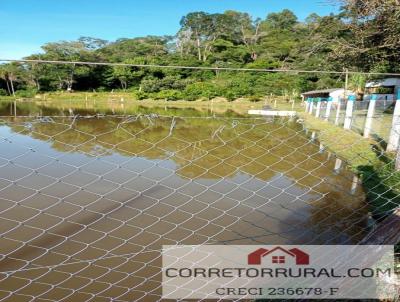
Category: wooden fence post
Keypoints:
(318, 110)
(370, 116)
(311, 105)
(349, 112)
(393, 143)
(328, 108)
(338, 111)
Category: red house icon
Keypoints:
(301, 257)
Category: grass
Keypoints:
(366, 158)
(125, 102)
(346, 144)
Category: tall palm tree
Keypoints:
(357, 84)
(4, 76)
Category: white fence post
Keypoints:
(354, 185)
(313, 136)
(311, 105)
(349, 112)
(397, 165)
(338, 165)
(307, 104)
(370, 116)
(393, 143)
(338, 111)
(328, 108)
(317, 112)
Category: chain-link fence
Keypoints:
(378, 126)
(88, 201)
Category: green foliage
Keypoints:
(255, 99)
(201, 90)
(169, 82)
(27, 93)
(359, 37)
(140, 95)
(3, 92)
(169, 95)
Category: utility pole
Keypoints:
(346, 83)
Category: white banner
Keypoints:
(279, 272)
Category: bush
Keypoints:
(3, 92)
(255, 99)
(28, 93)
(102, 89)
(169, 95)
(230, 95)
(140, 95)
(201, 89)
(167, 83)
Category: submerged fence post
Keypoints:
(313, 136)
(317, 112)
(311, 105)
(393, 143)
(370, 116)
(328, 108)
(354, 185)
(338, 165)
(349, 112)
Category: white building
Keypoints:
(335, 93)
(385, 89)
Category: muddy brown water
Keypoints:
(87, 203)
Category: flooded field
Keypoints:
(87, 202)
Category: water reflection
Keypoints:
(74, 189)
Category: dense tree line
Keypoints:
(363, 36)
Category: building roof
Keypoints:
(321, 91)
(384, 82)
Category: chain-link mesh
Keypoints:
(87, 202)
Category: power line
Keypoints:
(195, 67)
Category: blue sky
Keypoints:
(28, 24)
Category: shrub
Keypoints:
(102, 89)
(27, 93)
(140, 95)
(3, 92)
(201, 89)
(169, 95)
(167, 83)
(255, 99)
(229, 95)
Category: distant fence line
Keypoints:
(362, 116)
(213, 68)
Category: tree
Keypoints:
(128, 74)
(9, 73)
(201, 27)
(286, 19)
(373, 39)
(4, 77)
(126, 49)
